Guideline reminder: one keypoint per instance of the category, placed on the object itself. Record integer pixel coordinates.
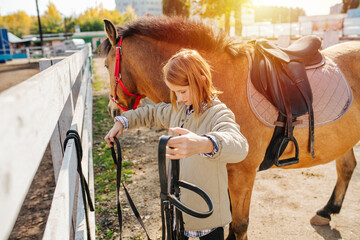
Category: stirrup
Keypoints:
(288, 161)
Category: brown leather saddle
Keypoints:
(279, 74)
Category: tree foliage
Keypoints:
(176, 7)
(276, 14)
(52, 21)
(93, 18)
(18, 23)
(350, 4)
(219, 8)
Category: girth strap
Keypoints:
(118, 163)
(72, 134)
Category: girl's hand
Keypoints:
(187, 144)
(116, 131)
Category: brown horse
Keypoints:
(149, 42)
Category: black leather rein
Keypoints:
(170, 196)
(171, 206)
(118, 163)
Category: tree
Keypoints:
(349, 4)
(238, 14)
(92, 18)
(69, 25)
(129, 15)
(275, 14)
(18, 23)
(52, 21)
(176, 7)
(219, 8)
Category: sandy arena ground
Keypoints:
(15, 71)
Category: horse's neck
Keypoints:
(149, 56)
(147, 59)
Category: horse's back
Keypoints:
(347, 56)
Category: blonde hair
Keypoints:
(188, 68)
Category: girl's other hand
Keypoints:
(187, 144)
(115, 131)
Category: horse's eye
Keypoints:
(106, 66)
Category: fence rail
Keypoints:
(34, 113)
(351, 27)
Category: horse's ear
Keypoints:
(110, 31)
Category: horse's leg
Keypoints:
(345, 166)
(240, 188)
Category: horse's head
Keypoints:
(123, 94)
(140, 65)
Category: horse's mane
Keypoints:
(178, 30)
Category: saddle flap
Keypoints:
(295, 82)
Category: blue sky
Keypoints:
(71, 7)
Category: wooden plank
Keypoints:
(63, 206)
(91, 182)
(87, 164)
(76, 62)
(81, 230)
(57, 153)
(44, 64)
(74, 210)
(29, 113)
(63, 124)
(58, 225)
(55, 60)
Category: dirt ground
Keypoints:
(15, 71)
(282, 204)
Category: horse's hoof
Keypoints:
(319, 221)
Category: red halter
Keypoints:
(118, 80)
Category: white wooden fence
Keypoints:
(33, 114)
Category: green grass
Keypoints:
(104, 167)
(98, 85)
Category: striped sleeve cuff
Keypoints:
(123, 121)
(216, 146)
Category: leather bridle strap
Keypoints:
(118, 80)
(170, 195)
(118, 163)
(72, 134)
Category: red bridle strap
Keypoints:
(118, 80)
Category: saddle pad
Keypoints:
(332, 97)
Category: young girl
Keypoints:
(206, 138)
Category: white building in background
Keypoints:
(141, 7)
(336, 9)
